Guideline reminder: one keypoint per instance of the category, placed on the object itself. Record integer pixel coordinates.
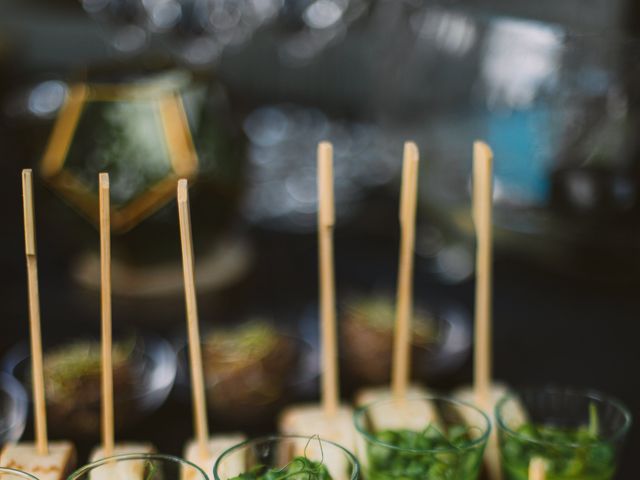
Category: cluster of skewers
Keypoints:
(400, 431)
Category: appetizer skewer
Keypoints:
(330, 420)
(402, 414)
(203, 451)
(44, 459)
(109, 448)
(484, 392)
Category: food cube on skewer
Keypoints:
(498, 390)
(311, 420)
(55, 465)
(216, 446)
(131, 470)
(122, 449)
(389, 416)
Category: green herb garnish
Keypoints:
(570, 454)
(428, 454)
(151, 468)
(300, 468)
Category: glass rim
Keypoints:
(135, 456)
(17, 473)
(583, 393)
(359, 413)
(17, 393)
(355, 474)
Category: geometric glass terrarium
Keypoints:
(147, 126)
(138, 132)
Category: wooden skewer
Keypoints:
(195, 355)
(326, 220)
(402, 340)
(482, 216)
(537, 469)
(105, 290)
(42, 444)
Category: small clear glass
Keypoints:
(307, 455)
(578, 434)
(13, 409)
(437, 438)
(13, 474)
(142, 466)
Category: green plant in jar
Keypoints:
(569, 453)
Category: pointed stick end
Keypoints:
(183, 187)
(325, 149)
(103, 180)
(411, 152)
(482, 152)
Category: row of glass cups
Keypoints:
(576, 434)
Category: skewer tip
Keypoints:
(103, 180)
(411, 151)
(325, 149)
(325, 184)
(481, 152)
(408, 190)
(183, 190)
(27, 205)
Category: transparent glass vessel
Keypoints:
(145, 466)
(288, 454)
(578, 434)
(421, 438)
(13, 409)
(13, 474)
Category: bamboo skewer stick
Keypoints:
(195, 355)
(401, 373)
(537, 469)
(42, 445)
(105, 292)
(326, 220)
(482, 216)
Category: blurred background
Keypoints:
(235, 95)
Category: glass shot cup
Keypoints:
(577, 434)
(13, 474)
(421, 438)
(287, 455)
(139, 466)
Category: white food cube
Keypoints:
(129, 470)
(216, 446)
(311, 420)
(375, 394)
(412, 415)
(55, 465)
(517, 415)
(122, 449)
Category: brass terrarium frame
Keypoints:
(175, 127)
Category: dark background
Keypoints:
(558, 324)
